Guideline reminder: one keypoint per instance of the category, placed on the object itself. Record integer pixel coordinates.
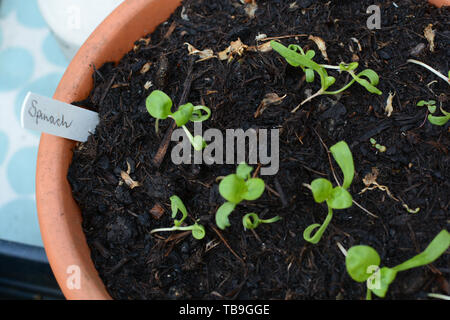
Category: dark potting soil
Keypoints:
(274, 262)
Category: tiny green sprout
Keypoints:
(198, 231)
(252, 221)
(431, 105)
(235, 188)
(377, 146)
(296, 57)
(159, 105)
(337, 197)
(363, 264)
(439, 120)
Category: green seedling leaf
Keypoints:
(434, 250)
(371, 75)
(255, 188)
(159, 105)
(359, 260)
(314, 239)
(421, 103)
(199, 143)
(370, 85)
(294, 58)
(438, 121)
(252, 221)
(198, 116)
(329, 81)
(310, 54)
(223, 213)
(198, 231)
(432, 108)
(184, 114)
(243, 171)
(309, 75)
(321, 189)
(385, 277)
(232, 188)
(348, 67)
(340, 199)
(178, 205)
(343, 156)
(296, 48)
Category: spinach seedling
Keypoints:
(159, 106)
(377, 146)
(439, 120)
(252, 221)
(296, 57)
(198, 231)
(431, 105)
(436, 120)
(362, 263)
(337, 197)
(235, 188)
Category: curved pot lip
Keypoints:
(59, 215)
(440, 3)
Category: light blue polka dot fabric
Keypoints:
(30, 60)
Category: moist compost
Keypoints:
(274, 261)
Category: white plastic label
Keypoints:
(58, 118)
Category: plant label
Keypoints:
(61, 119)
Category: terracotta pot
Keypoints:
(59, 215)
(440, 3)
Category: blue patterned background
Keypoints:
(30, 60)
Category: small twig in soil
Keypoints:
(119, 265)
(256, 235)
(270, 189)
(281, 193)
(329, 157)
(103, 251)
(365, 210)
(98, 72)
(107, 89)
(227, 245)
